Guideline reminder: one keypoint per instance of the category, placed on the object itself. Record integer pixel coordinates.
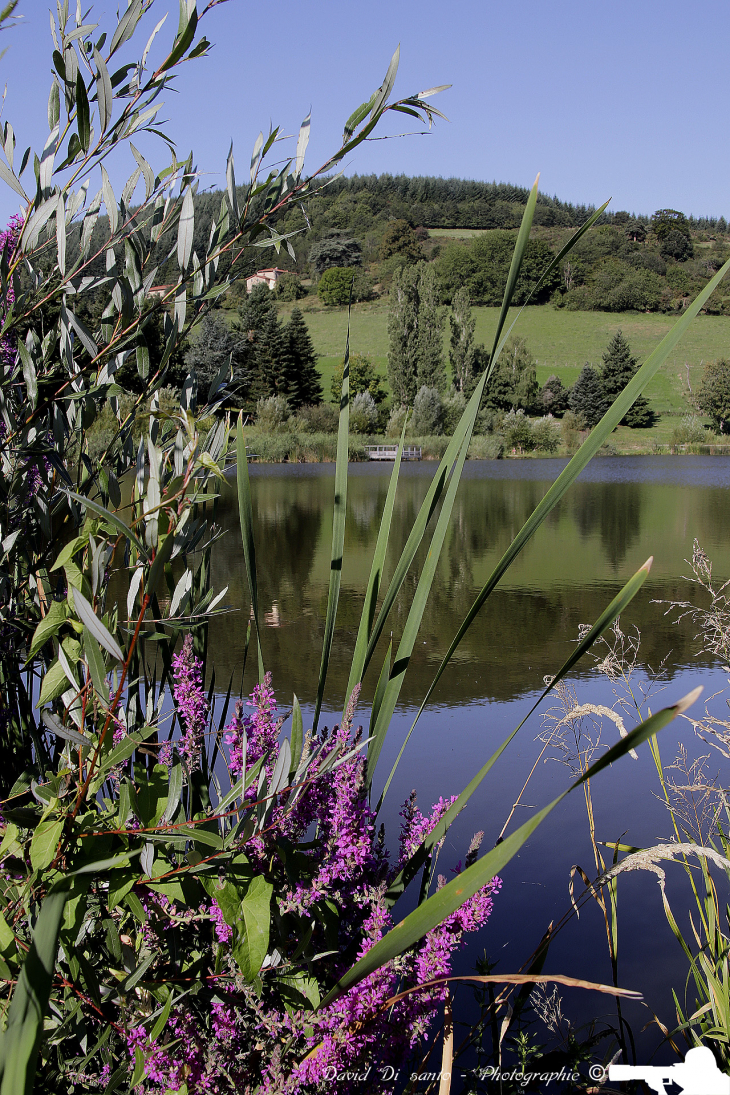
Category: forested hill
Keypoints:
(433, 202)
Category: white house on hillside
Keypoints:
(269, 277)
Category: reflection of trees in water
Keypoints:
(519, 636)
(613, 510)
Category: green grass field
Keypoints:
(561, 342)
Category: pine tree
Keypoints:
(587, 397)
(217, 345)
(273, 360)
(462, 324)
(304, 386)
(619, 367)
(261, 349)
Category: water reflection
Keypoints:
(612, 520)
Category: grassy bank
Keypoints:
(317, 448)
(561, 342)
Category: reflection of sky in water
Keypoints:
(621, 510)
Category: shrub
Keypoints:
(289, 287)
(453, 408)
(337, 281)
(397, 417)
(489, 447)
(363, 413)
(517, 431)
(272, 414)
(318, 418)
(570, 428)
(364, 377)
(428, 412)
(690, 429)
(554, 396)
(546, 434)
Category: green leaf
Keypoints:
(152, 796)
(44, 843)
(47, 627)
(451, 896)
(10, 179)
(338, 526)
(21, 1038)
(29, 374)
(54, 105)
(252, 943)
(104, 93)
(297, 736)
(245, 514)
(126, 27)
(109, 201)
(173, 793)
(112, 518)
(139, 1063)
(61, 234)
(185, 230)
(54, 684)
(381, 95)
(120, 884)
(83, 118)
(356, 117)
(89, 619)
(8, 948)
(161, 559)
(97, 668)
(161, 1023)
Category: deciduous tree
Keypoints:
(415, 325)
(461, 354)
(713, 394)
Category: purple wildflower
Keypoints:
(190, 701)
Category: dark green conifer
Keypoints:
(586, 396)
(304, 387)
(619, 367)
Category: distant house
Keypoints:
(269, 277)
(162, 291)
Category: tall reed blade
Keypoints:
(376, 574)
(514, 271)
(245, 514)
(376, 743)
(415, 615)
(462, 434)
(586, 452)
(604, 621)
(451, 896)
(22, 1036)
(338, 527)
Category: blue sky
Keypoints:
(625, 100)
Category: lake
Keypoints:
(621, 511)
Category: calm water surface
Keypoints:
(621, 511)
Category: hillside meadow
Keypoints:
(561, 342)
